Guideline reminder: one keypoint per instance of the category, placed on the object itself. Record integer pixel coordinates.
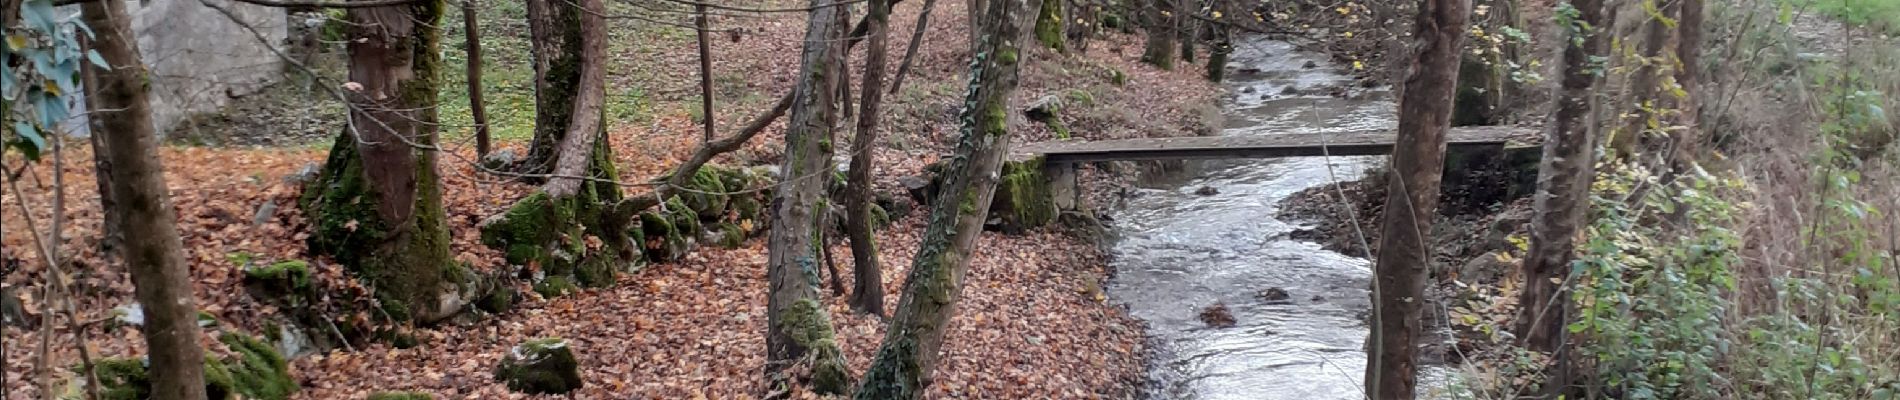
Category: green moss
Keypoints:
(497, 301)
(555, 286)
(290, 278)
(596, 271)
(123, 378)
(808, 325)
(1049, 25)
(706, 193)
(401, 396)
(257, 370)
(540, 366)
(1023, 199)
(684, 219)
(1115, 76)
(731, 236)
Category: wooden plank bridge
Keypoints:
(1466, 147)
(1262, 146)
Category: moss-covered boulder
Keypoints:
(666, 232)
(706, 194)
(290, 280)
(555, 286)
(1023, 199)
(497, 301)
(254, 371)
(401, 396)
(540, 366)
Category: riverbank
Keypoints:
(1034, 322)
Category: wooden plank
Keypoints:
(1262, 146)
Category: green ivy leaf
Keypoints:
(94, 57)
(33, 141)
(39, 15)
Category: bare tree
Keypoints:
(910, 51)
(868, 295)
(1418, 162)
(909, 353)
(1642, 94)
(160, 277)
(1563, 185)
(377, 206)
(799, 333)
(476, 108)
(705, 69)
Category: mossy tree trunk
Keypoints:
(1563, 186)
(377, 207)
(1161, 33)
(1049, 21)
(909, 353)
(868, 294)
(562, 228)
(799, 341)
(555, 28)
(1221, 46)
(161, 278)
(1418, 162)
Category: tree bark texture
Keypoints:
(477, 108)
(868, 295)
(705, 70)
(160, 277)
(1418, 161)
(916, 333)
(377, 207)
(112, 236)
(910, 51)
(1689, 68)
(1643, 96)
(799, 339)
(1161, 25)
(1563, 187)
(555, 28)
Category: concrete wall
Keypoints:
(200, 59)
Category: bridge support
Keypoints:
(1063, 187)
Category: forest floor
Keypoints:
(1033, 322)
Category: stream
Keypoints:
(1180, 249)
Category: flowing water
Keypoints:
(1180, 251)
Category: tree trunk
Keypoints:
(799, 331)
(160, 277)
(1564, 177)
(705, 70)
(1218, 51)
(112, 236)
(1187, 28)
(1161, 25)
(377, 208)
(574, 204)
(1418, 162)
(868, 295)
(910, 51)
(909, 353)
(555, 27)
(1643, 92)
(1689, 55)
(477, 109)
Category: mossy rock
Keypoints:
(660, 239)
(401, 396)
(731, 236)
(284, 279)
(124, 378)
(1023, 198)
(706, 193)
(683, 216)
(596, 271)
(540, 366)
(497, 301)
(555, 286)
(257, 370)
